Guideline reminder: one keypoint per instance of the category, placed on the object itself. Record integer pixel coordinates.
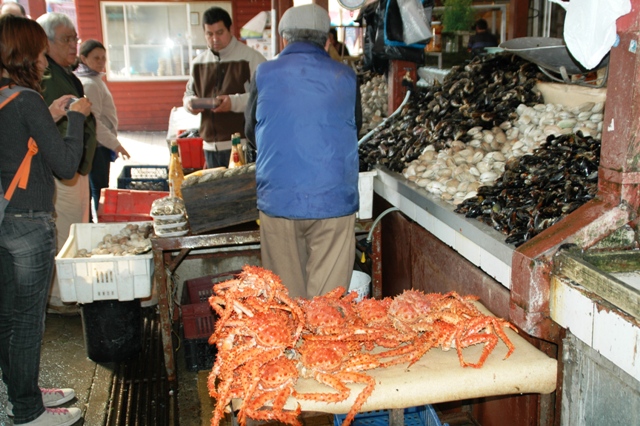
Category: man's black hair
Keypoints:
(481, 24)
(216, 14)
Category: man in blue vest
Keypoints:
(303, 116)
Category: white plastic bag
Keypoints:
(415, 26)
(590, 28)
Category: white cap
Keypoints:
(306, 17)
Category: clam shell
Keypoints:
(587, 106)
(596, 117)
(567, 123)
(430, 173)
(551, 130)
(447, 196)
(473, 186)
(474, 130)
(488, 176)
(470, 194)
(584, 115)
(435, 187)
(483, 167)
(598, 107)
(506, 125)
(444, 173)
(585, 131)
(422, 183)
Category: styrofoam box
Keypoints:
(101, 277)
(365, 189)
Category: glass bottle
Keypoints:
(176, 174)
(237, 156)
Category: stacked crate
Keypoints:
(198, 321)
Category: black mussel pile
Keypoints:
(537, 190)
(484, 92)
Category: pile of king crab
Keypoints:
(266, 340)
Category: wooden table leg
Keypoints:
(396, 417)
(160, 276)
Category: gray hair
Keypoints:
(52, 20)
(313, 36)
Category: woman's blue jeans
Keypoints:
(27, 255)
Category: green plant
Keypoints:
(458, 15)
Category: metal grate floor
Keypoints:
(140, 393)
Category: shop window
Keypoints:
(153, 41)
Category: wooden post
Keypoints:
(397, 71)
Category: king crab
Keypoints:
(336, 363)
(255, 288)
(273, 381)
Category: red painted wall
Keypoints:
(145, 106)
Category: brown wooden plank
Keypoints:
(574, 267)
(220, 203)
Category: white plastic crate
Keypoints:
(365, 189)
(101, 277)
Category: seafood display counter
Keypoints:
(475, 241)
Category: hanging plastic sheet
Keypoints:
(416, 26)
(395, 24)
(590, 27)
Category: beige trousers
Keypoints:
(312, 257)
(72, 203)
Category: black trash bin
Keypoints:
(112, 329)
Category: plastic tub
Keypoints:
(112, 329)
(360, 283)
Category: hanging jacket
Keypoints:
(304, 115)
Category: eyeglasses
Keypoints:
(68, 40)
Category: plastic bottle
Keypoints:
(176, 174)
(237, 157)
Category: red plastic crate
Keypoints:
(126, 205)
(198, 320)
(191, 153)
(201, 288)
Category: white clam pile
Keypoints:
(130, 240)
(374, 102)
(455, 173)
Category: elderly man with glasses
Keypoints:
(73, 197)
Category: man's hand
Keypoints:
(225, 104)
(122, 153)
(189, 107)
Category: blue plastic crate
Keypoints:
(423, 415)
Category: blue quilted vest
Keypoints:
(307, 143)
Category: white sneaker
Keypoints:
(56, 397)
(57, 417)
(50, 398)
